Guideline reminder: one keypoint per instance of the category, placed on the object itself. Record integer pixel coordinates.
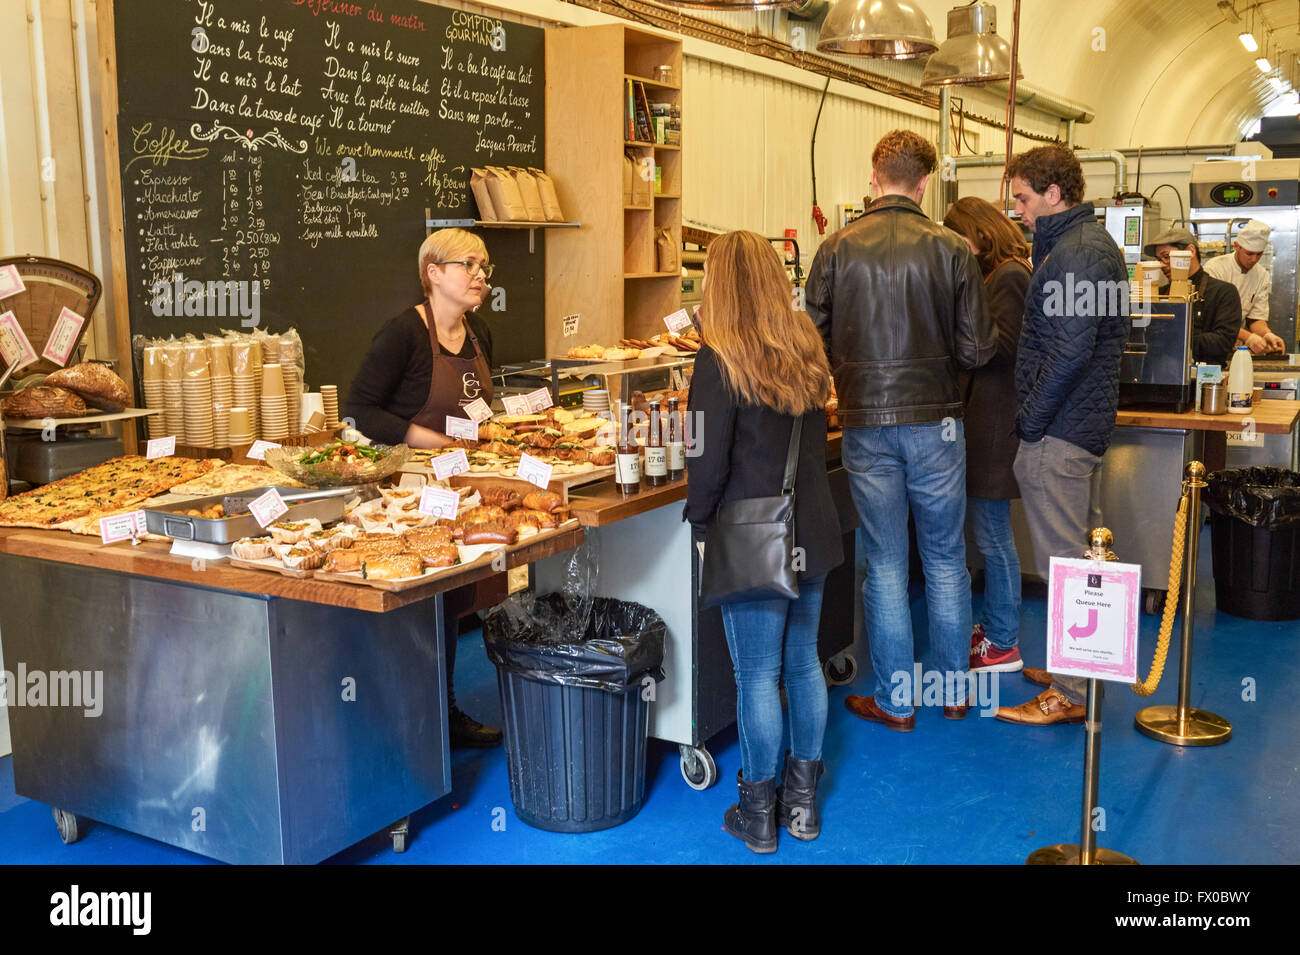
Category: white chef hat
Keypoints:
(1253, 236)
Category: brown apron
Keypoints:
(455, 381)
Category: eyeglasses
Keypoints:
(472, 268)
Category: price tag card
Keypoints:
(477, 410)
(1093, 610)
(515, 404)
(16, 350)
(58, 347)
(534, 471)
(466, 428)
(161, 447)
(267, 508)
(439, 502)
(678, 382)
(570, 325)
(678, 320)
(454, 462)
(11, 283)
(539, 400)
(258, 451)
(122, 527)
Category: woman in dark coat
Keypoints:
(991, 441)
(761, 365)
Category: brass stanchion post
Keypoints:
(1086, 852)
(1184, 725)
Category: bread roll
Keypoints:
(97, 384)
(44, 401)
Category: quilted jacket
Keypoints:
(1067, 365)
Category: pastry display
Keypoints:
(570, 442)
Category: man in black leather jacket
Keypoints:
(1067, 380)
(899, 301)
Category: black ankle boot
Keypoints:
(468, 733)
(752, 820)
(796, 807)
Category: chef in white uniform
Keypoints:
(1241, 267)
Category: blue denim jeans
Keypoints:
(991, 521)
(769, 640)
(921, 467)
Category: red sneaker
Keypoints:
(977, 636)
(989, 658)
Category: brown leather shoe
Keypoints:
(1035, 675)
(956, 712)
(864, 707)
(1047, 709)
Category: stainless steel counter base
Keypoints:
(246, 728)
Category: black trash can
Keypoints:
(1255, 539)
(573, 681)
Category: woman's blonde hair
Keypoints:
(770, 353)
(447, 245)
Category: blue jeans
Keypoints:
(768, 640)
(921, 467)
(991, 521)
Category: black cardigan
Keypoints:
(742, 454)
(392, 384)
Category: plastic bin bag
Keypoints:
(1266, 497)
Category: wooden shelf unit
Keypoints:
(612, 284)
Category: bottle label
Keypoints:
(627, 469)
(656, 462)
(676, 456)
(1241, 401)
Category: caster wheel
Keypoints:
(399, 831)
(698, 768)
(1153, 601)
(70, 826)
(840, 676)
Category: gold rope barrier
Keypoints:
(1149, 685)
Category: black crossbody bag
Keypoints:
(749, 544)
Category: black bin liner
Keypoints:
(573, 673)
(1255, 538)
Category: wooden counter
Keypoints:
(1268, 417)
(152, 559)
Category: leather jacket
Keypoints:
(900, 304)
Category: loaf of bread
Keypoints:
(44, 401)
(98, 384)
(490, 532)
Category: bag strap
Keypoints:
(792, 457)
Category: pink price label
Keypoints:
(11, 283)
(534, 471)
(477, 410)
(539, 400)
(267, 508)
(678, 320)
(466, 428)
(439, 502)
(258, 451)
(122, 527)
(16, 350)
(449, 464)
(515, 404)
(63, 337)
(161, 447)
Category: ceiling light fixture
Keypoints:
(1263, 64)
(880, 29)
(1248, 41)
(973, 54)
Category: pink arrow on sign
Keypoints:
(1087, 630)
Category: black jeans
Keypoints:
(454, 603)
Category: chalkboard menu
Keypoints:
(277, 158)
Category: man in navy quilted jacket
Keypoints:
(1067, 380)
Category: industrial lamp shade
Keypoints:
(731, 5)
(973, 53)
(881, 29)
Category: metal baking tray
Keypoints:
(171, 520)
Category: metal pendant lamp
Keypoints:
(733, 6)
(973, 53)
(880, 29)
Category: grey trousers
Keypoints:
(1059, 487)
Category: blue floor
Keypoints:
(978, 791)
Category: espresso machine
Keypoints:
(1156, 368)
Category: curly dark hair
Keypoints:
(1047, 166)
(902, 158)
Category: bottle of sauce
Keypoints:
(676, 443)
(656, 455)
(1241, 380)
(627, 456)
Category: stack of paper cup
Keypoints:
(223, 392)
(270, 349)
(596, 403)
(239, 425)
(197, 389)
(275, 420)
(244, 382)
(173, 354)
(255, 357)
(151, 379)
(292, 383)
(329, 396)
